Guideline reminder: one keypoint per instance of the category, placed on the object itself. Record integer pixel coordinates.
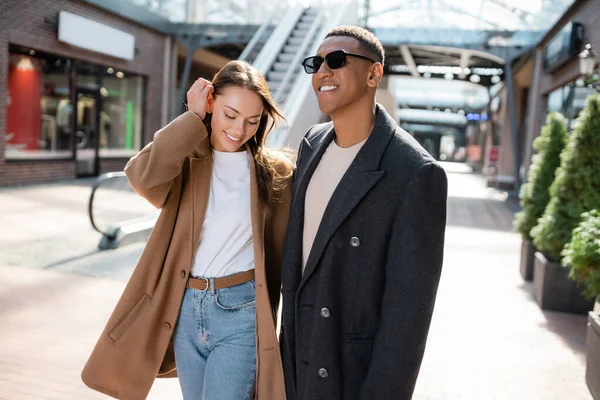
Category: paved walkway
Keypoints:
(488, 339)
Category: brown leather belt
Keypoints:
(220, 283)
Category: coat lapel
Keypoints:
(257, 211)
(358, 180)
(201, 165)
(312, 152)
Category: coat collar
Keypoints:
(358, 180)
(204, 148)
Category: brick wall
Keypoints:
(112, 164)
(37, 172)
(22, 22)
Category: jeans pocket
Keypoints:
(236, 297)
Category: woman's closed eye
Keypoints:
(250, 122)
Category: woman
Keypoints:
(202, 301)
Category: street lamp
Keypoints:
(587, 61)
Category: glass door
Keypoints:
(86, 135)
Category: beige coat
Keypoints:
(135, 346)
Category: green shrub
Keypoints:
(535, 194)
(582, 253)
(576, 188)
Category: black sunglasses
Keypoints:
(335, 59)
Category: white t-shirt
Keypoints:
(226, 246)
(327, 176)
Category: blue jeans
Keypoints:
(215, 343)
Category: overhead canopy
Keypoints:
(450, 39)
(501, 15)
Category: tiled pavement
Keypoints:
(488, 338)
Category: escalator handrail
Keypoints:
(97, 183)
(257, 36)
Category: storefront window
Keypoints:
(121, 116)
(569, 100)
(108, 109)
(39, 109)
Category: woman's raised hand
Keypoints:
(199, 97)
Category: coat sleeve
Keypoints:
(414, 263)
(152, 170)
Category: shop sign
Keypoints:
(565, 45)
(91, 35)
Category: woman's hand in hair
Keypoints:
(199, 97)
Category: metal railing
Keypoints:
(118, 213)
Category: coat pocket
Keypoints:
(357, 351)
(129, 318)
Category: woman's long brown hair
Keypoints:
(273, 167)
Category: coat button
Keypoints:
(354, 241)
(183, 274)
(167, 325)
(323, 373)
(325, 313)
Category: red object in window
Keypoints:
(494, 150)
(23, 124)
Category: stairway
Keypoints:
(286, 55)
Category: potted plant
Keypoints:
(582, 254)
(535, 194)
(575, 190)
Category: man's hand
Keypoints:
(199, 97)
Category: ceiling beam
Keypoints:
(409, 60)
(476, 53)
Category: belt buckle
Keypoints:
(207, 283)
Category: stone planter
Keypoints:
(592, 369)
(554, 290)
(527, 254)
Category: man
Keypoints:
(365, 241)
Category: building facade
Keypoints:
(546, 78)
(81, 89)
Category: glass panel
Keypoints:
(556, 100)
(216, 11)
(38, 121)
(512, 15)
(121, 119)
(570, 100)
(87, 129)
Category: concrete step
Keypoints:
(304, 25)
(300, 32)
(295, 41)
(291, 48)
(275, 75)
(286, 57)
(281, 66)
(307, 18)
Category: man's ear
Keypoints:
(375, 75)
